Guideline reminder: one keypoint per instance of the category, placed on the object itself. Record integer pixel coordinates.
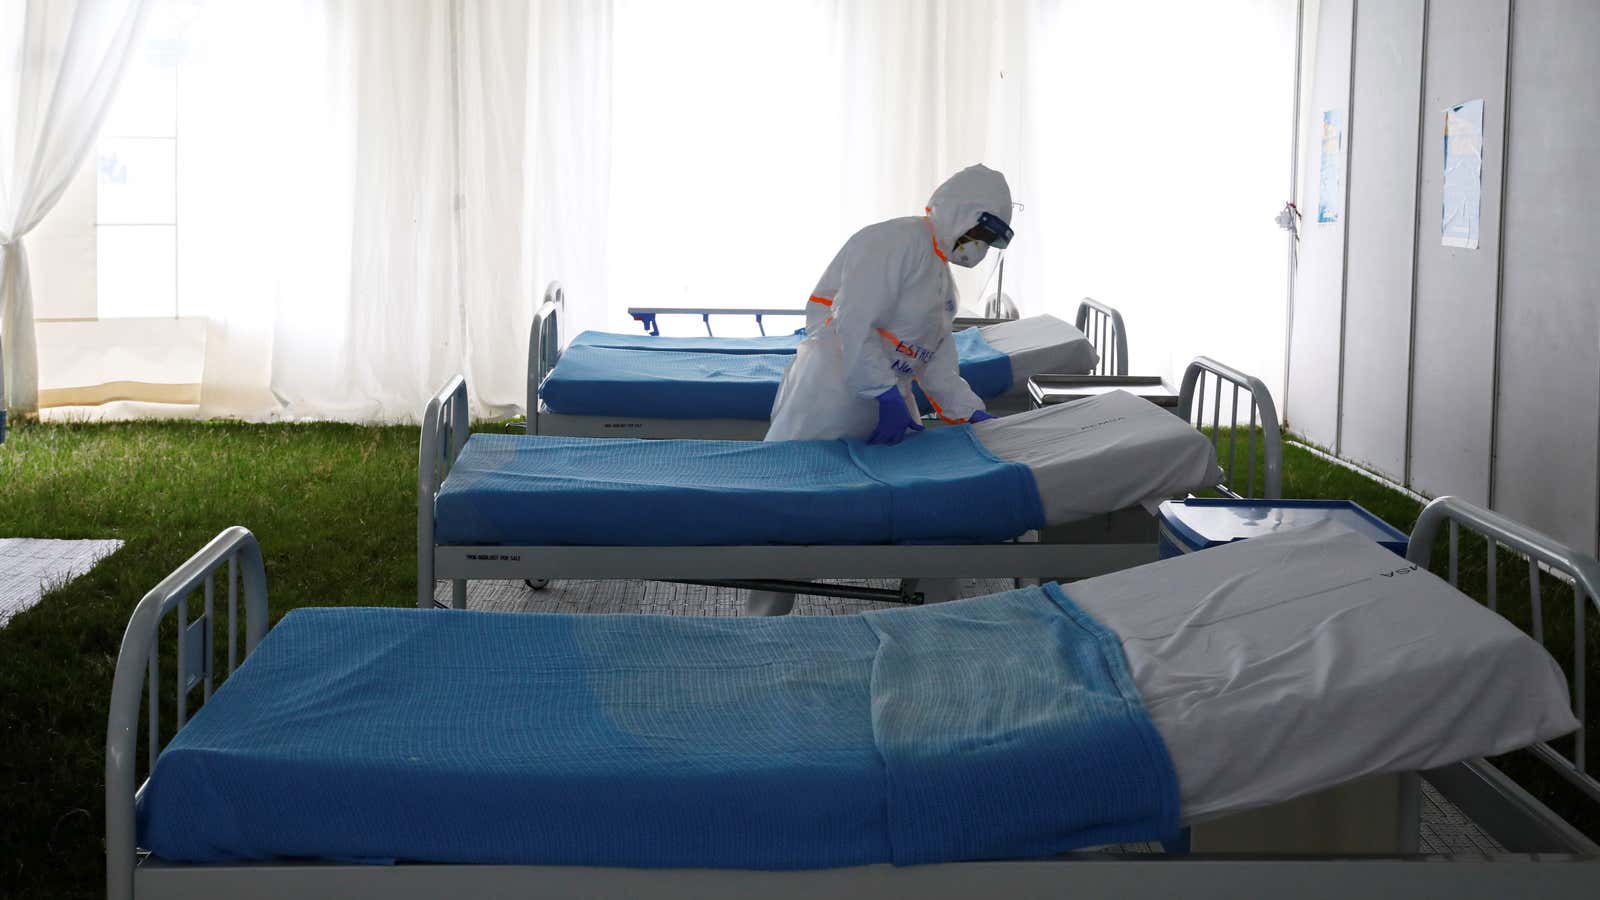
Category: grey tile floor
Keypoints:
(1445, 829)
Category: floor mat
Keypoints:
(31, 566)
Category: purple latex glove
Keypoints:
(893, 419)
(979, 416)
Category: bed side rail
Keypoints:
(964, 322)
(445, 427)
(1104, 328)
(138, 667)
(646, 315)
(544, 347)
(1263, 416)
(1541, 552)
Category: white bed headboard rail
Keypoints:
(544, 347)
(647, 315)
(445, 428)
(1263, 416)
(1104, 328)
(1539, 550)
(138, 666)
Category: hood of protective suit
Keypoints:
(956, 205)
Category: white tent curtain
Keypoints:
(384, 226)
(414, 173)
(59, 63)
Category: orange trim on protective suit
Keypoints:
(825, 301)
(937, 409)
(899, 345)
(928, 218)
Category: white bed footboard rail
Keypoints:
(1539, 550)
(544, 347)
(1103, 326)
(138, 663)
(646, 315)
(1263, 415)
(445, 427)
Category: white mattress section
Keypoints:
(1041, 344)
(1288, 664)
(1102, 454)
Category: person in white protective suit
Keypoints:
(880, 319)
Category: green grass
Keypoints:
(333, 506)
(334, 509)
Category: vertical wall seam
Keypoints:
(1344, 238)
(1500, 263)
(1416, 244)
(1294, 197)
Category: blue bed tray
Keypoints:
(1197, 524)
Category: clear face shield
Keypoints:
(998, 305)
(970, 248)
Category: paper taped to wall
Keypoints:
(1330, 198)
(1463, 174)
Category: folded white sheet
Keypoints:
(1103, 453)
(1039, 344)
(1288, 664)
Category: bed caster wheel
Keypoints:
(536, 584)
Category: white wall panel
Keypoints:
(1312, 401)
(1453, 382)
(1549, 396)
(1383, 178)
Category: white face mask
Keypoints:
(969, 254)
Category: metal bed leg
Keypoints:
(458, 593)
(768, 603)
(1410, 813)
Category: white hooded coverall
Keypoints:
(881, 318)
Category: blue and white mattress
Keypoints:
(1014, 725)
(737, 378)
(994, 728)
(980, 483)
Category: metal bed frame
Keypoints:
(795, 569)
(1547, 856)
(1263, 416)
(545, 347)
(1103, 326)
(646, 315)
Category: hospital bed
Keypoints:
(950, 503)
(383, 752)
(722, 388)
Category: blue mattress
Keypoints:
(664, 384)
(1006, 726)
(772, 343)
(939, 486)
(986, 370)
(650, 381)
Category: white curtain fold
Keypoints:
(408, 182)
(61, 63)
